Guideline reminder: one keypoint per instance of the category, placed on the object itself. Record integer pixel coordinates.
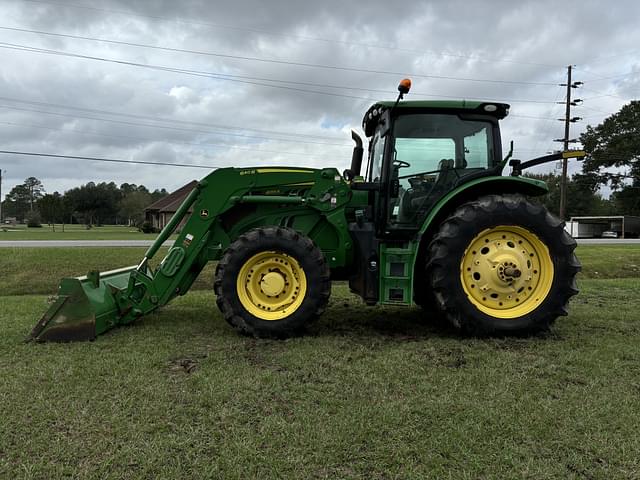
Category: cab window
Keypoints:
(376, 154)
(431, 153)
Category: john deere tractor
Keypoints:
(431, 221)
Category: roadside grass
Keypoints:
(368, 393)
(39, 270)
(25, 271)
(74, 232)
(609, 261)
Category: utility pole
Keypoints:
(567, 117)
(566, 140)
(0, 195)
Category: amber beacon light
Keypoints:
(404, 86)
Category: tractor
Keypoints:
(432, 220)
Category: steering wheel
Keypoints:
(400, 164)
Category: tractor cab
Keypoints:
(421, 150)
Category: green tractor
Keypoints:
(431, 221)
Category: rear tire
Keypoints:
(502, 264)
(271, 282)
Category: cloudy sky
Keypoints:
(254, 82)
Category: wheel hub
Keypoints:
(509, 271)
(271, 285)
(506, 271)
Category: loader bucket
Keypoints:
(84, 307)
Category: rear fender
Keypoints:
(468, 192)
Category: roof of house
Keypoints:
(171, 202)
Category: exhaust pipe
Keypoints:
(356, 158)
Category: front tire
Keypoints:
(271, 282)
(502, 264)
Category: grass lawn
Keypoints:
(39, 270)
(368, 393)
(75, 232)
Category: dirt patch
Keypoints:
(187, 364)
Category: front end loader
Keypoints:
(432, 221)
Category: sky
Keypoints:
(249, 82)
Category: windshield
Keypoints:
(423, 141)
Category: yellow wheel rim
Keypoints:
(271, 285)
(506, 271)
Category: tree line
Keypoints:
(583, 198)
(89, 204)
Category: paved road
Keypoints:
(146, 243)
(608, 241)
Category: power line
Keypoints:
(227, 76)
(14, 46)
(138, 124)
(602, 94)
(595, 110)
(122, 122)
(532, 117)
(300, 37)
(99, 159)
(155, 119)
(312, 84)
(550, 125)
(170, 142)
(195, 73)
(600, 77)
(610, 57)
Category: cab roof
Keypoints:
(494, 109)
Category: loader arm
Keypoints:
(90, 305)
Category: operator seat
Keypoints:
(423, 194)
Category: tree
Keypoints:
(51, 209)
(17, 203)
(22, 198)
(35, 190)
(127, 188)
(614, 143)
(627, 200)
(613, 156)
(95, 203)
(158, 194)
(582, 195)
(132, 206)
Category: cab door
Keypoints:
(428, 156)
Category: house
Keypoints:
(159, 213)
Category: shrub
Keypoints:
(147, 227)
(33, 220)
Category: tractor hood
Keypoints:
(278, 180)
